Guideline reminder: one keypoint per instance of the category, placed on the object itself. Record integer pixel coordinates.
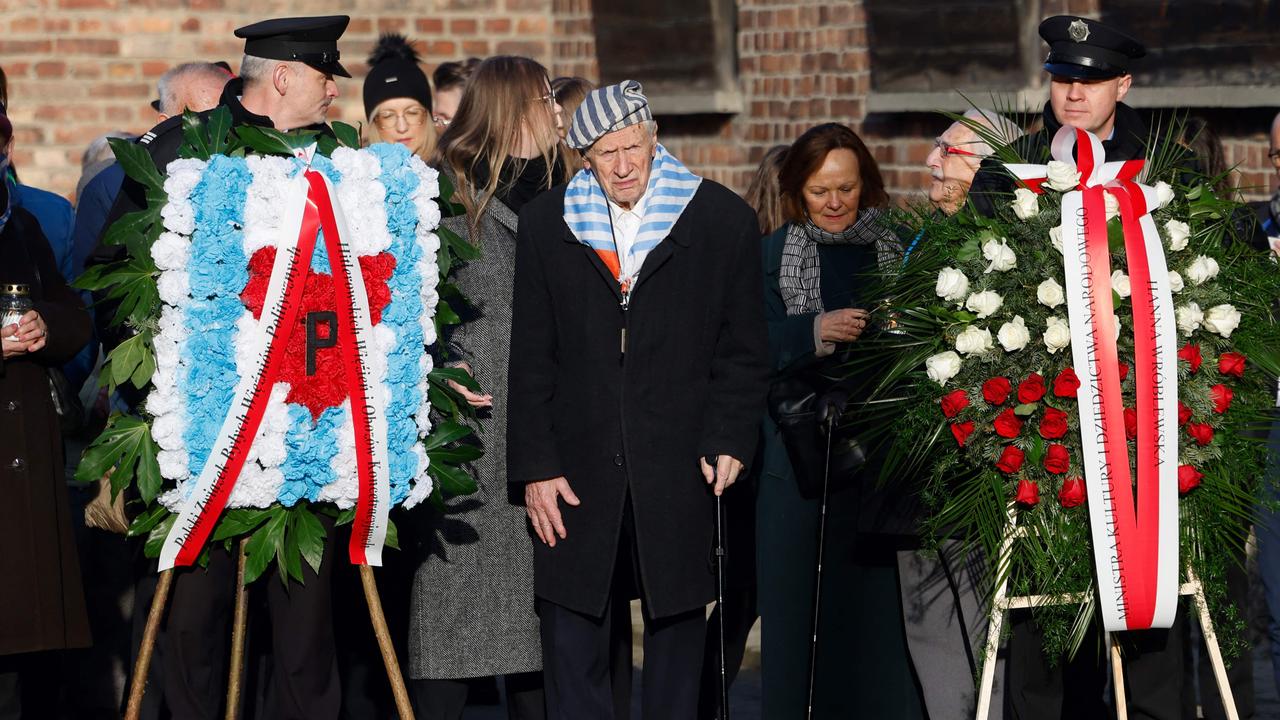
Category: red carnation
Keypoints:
(1188, 478)
(1230, 363)
(1031, 389)
(1010, 460)
(1130, 423)
(953, 402)
(1202, 433)
(1007, 424)
(962, 431)
(1056, 459)
(1184, 413)
(1054, 423)
(1222, 396)
(1028, 492)
(1072, 492)
(1124, 371)
(1066, 384)
(996, 390)
(1191, 353)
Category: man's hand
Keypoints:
(27, 336)
(844, 325)
(540, 502)
(474, 399)
(725, 473)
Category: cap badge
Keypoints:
(1078, 30)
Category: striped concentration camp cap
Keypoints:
(605, 110)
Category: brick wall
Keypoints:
(78, 68)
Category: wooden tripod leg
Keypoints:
(995, 624)
(1215, 652)
(384, 643)
(236, 676)
(142, 667)
(1117, 679)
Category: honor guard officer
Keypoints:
(1089, 66)
(286, 82)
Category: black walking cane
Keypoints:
(720, 555)
(831, 415)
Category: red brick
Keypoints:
(51, 69)
(429, 25)
(88, 4)
(462, 27)
(88, 46)
(442, 48)
(502, 26)
(386, 25)
(190, 25)
(360, 26)
(532, 26)
(25, 47)
(24, 25)
(476, 48)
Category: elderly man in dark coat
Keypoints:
(638, 348)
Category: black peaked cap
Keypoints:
(1086, 49)
(309, 40)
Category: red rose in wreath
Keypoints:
(1056, 459)
(1184, 413)
(953, 402)
(1222, 396)
(1028, 492)
(1007, 424)
(1010, 460)
(1031, 389)
(1231, 363)
(996, 390)
(1124, 371)
(1188, 478)
(1066, 384)
(1202, 433)
(1191, 353)
(1072, 492)
(1130, 423)
(1054, 423)
(962, 431)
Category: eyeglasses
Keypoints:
(949, 149)
(441, 121)
(549, 99)
(388, 119)
(1274, 155)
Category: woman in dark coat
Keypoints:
(832, 197)
(473, 608)
(40, 592)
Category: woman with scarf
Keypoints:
(40, 589)
(816, 268)
(472, 607)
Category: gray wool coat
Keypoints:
(472, 611)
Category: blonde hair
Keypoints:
(501, 99)
(425, 149)
(764, 194)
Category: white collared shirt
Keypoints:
(626, 227)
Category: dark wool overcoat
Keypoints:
(40, 590)
(691, 382)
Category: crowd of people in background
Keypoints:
(712, 309)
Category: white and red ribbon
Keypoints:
(312, 210)
(1135, 541)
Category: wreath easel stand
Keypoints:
(1003, 602)
(137, 686)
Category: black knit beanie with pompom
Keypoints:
(394, 73)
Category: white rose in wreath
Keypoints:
(1175, 281)
(1189, 317)
(1013, 335)
(952, 285)
(1050, 293)
(1000, 254)
(1057, 334)
(1055, 238)
(942, 367)
(1026, 204)
(1222, 319)
(1202, 270)
(1177, 232)
(1120, 283)
(984, 303)
(1062, 176)
(973, 340)
(1164, 194)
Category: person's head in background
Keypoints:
(397, 97)
(194, 86)
(450, 80)
(569, 93)
(1200, 136)
(764, 194)
(97, 157)
(958, 152)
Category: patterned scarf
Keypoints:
(800, 277)
(586, 212)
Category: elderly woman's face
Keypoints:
(831, 193)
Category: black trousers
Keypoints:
(445, 699)
(303, 681)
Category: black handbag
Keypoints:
(805, 406)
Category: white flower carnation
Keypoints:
(984, 303)
(1189, 317)
(1057, 334)
(952, 285)
(1062, 176)
(1222, 319)
(973, 340)
(1202, 270)
(1120, 283)
(942, 367)
(1000, 254)
(1050, 293)
(1177, 232)
(1175, 281)
(1025, 204)
(1013, 335)
(1164, 194)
